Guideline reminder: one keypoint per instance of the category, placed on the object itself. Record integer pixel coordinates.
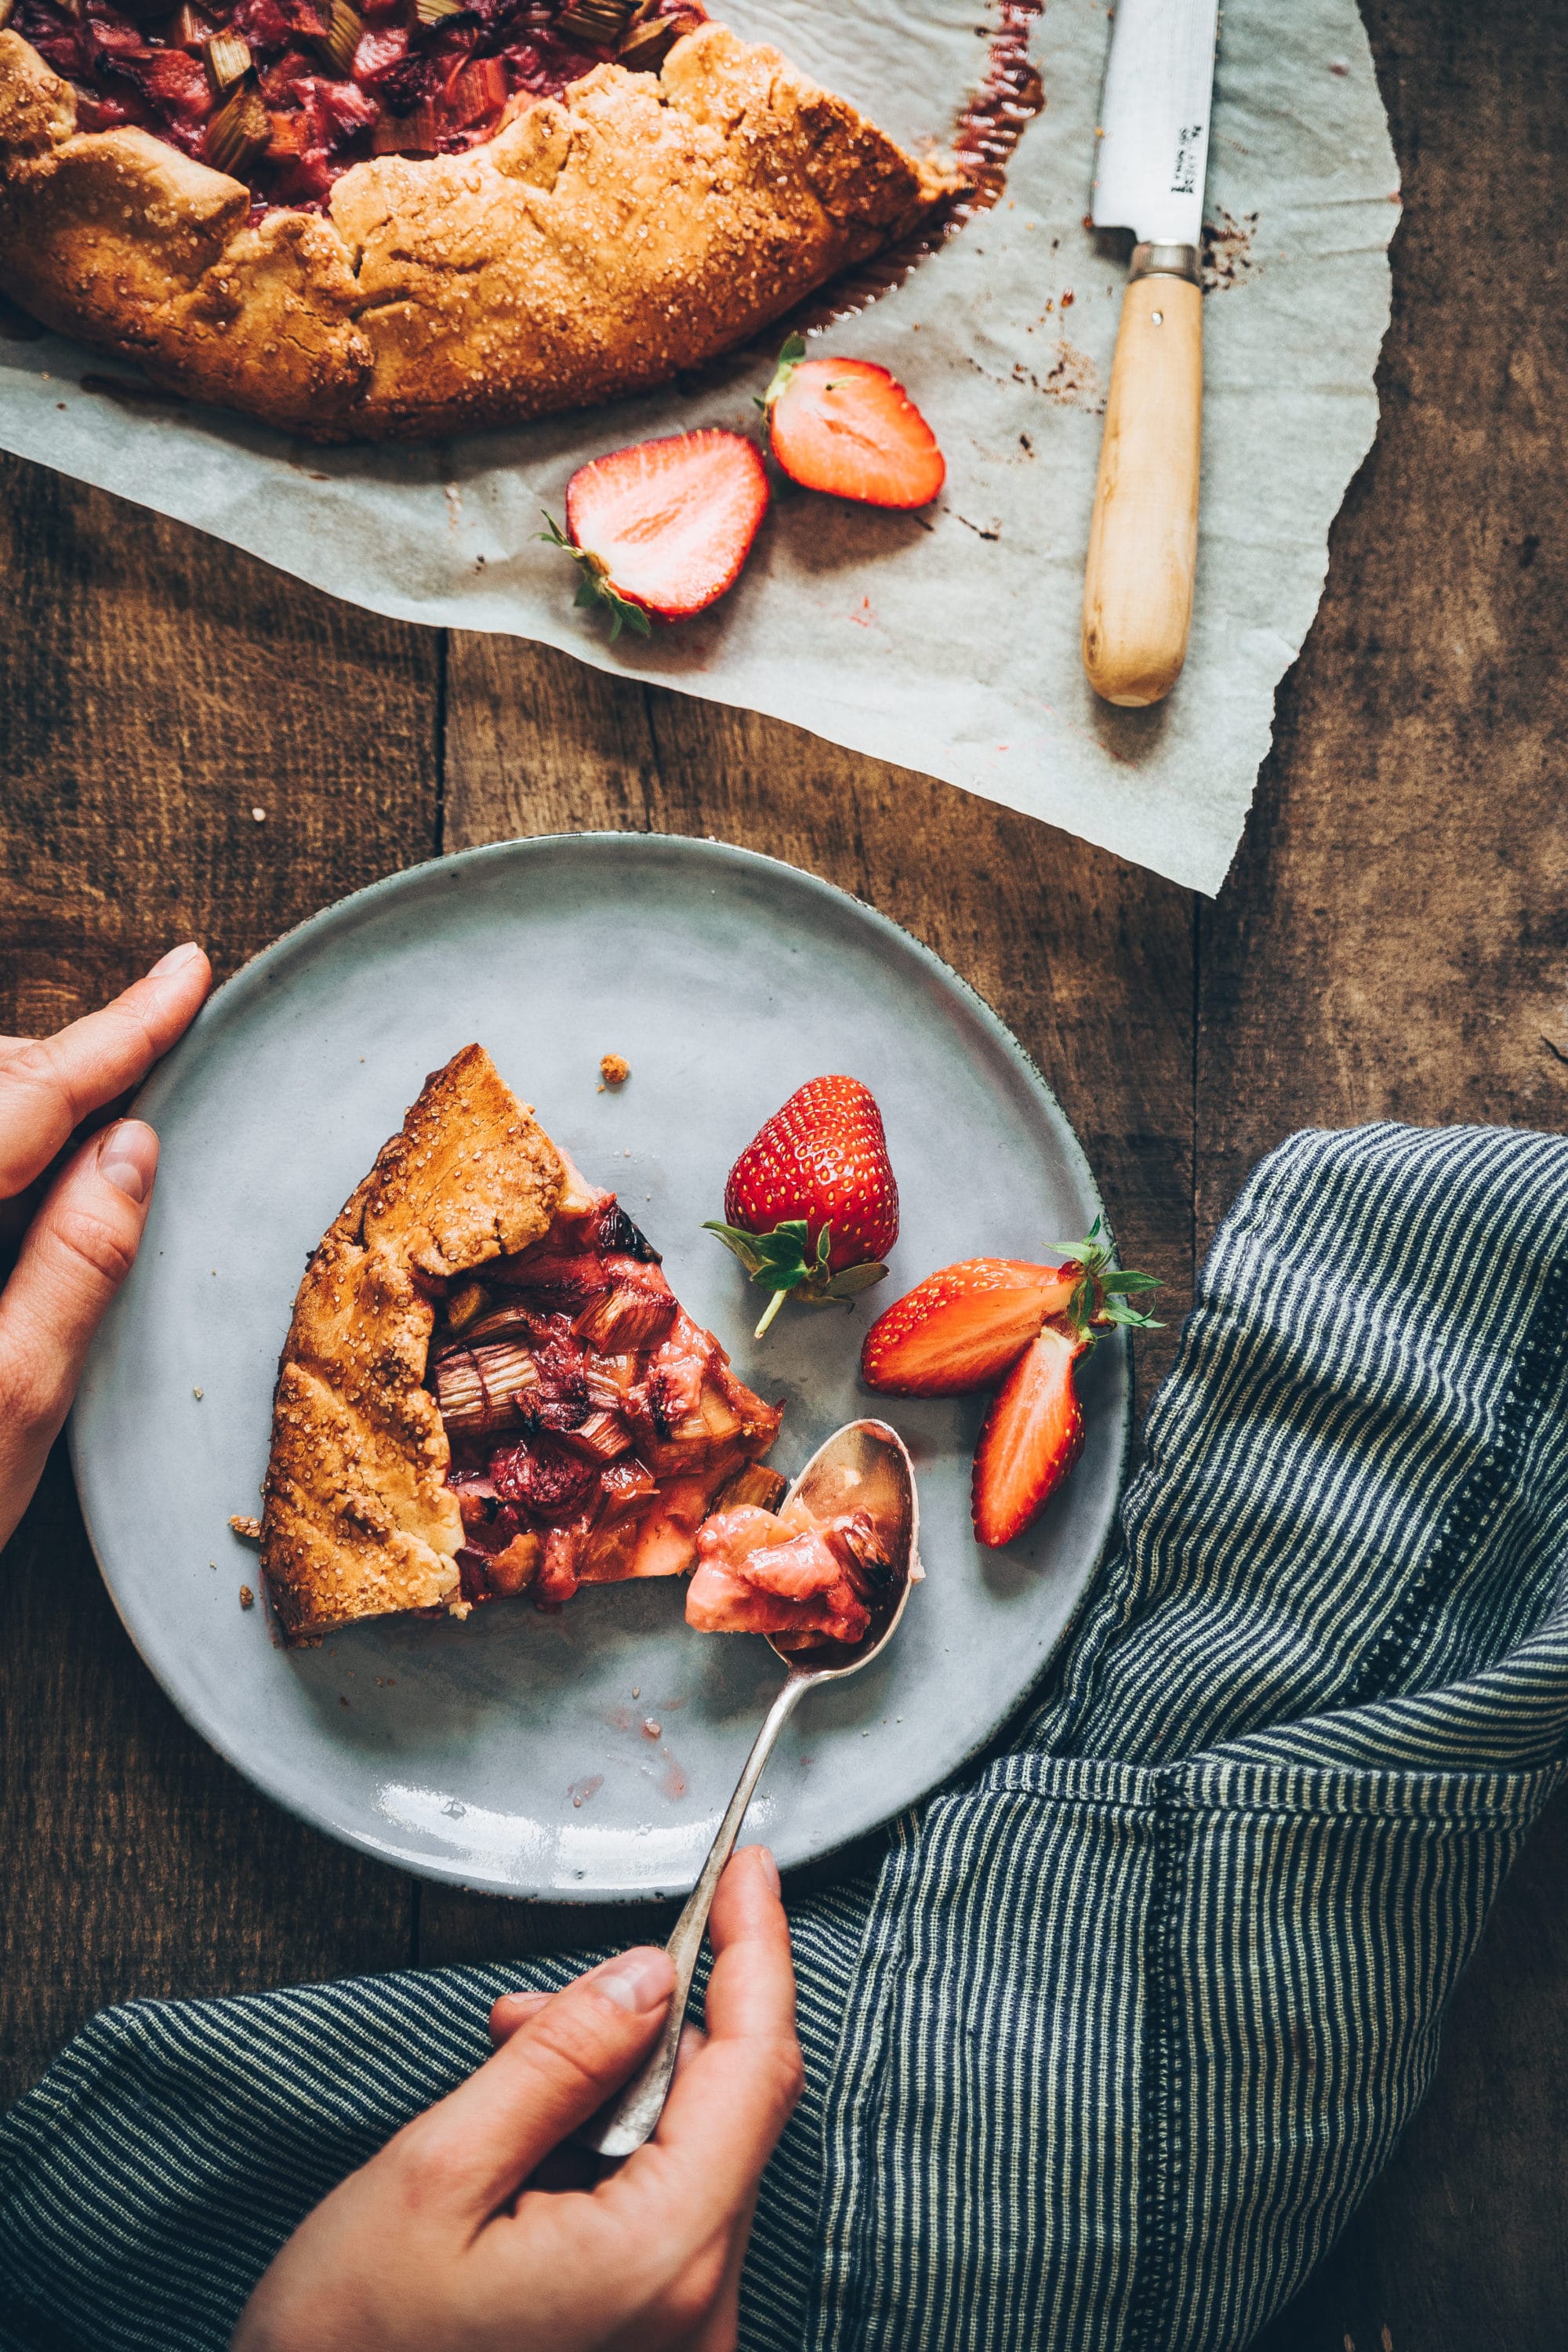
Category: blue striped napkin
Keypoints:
(1105, 2051)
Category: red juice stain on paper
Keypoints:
(984, 140)
(998, 117)
(581, 1790)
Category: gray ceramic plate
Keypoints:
(518, 1751)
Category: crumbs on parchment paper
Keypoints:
(614, 1071)
(1227, 251)
(247, 1526)
(247, 1598)
(1072, 380)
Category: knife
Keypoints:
(1152, 155)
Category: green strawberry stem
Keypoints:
(596, 587)
(772, 1308)
(1101, 1298)
(789, 359)
(784, 1261)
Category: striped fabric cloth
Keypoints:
(1105, 2051)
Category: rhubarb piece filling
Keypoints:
(287, 95)
(593, 1425)
(801, 1580)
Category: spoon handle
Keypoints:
(631, 2117)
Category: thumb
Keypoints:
(76, 1253)
(556, 2070)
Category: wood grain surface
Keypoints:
(1393, 942)
(162, 688)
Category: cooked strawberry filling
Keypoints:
(593, 1423)
(287, 94)
(801, 1580)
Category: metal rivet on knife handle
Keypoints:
(1143, 534)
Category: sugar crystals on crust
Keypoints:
(597, 243)
(357, 1519)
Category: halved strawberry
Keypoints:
(1033, 1435)
(848, 427)
(663, 527)
(962, 1327)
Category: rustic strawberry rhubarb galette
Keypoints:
(488, 1387)
(413, 217)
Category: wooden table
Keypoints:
(1391, 944)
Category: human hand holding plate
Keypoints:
(82, 1239)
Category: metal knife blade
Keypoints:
(1152, 151)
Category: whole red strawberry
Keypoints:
(812, 1204)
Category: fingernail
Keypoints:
(127, 1158)
(637, 1981)
(175, 959)
(768, 1867)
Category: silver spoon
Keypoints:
(864, 1467)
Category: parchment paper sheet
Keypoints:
(949, 642)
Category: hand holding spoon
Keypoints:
(864, 1467)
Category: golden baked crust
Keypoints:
(598, 244)
(357, 1520)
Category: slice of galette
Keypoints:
(488, 1387)
(416, 217)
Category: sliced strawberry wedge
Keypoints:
(848, 427)
(1032, 1437)
(963, 1327)
(663, 527)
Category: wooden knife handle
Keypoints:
(1144, 538)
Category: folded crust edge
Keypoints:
(357, 1520)
(596, 245)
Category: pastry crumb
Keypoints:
(246, 1524)
(247, 1598)
(198, 1394)
(615, 1069)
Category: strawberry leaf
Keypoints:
(855, 1278)
(777, 1260)
(789, 359)
(786, 1261)
(1081, 1306)
(1109, 1289)
(1116, 1310)
(595, 586)
(1092, 1253)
